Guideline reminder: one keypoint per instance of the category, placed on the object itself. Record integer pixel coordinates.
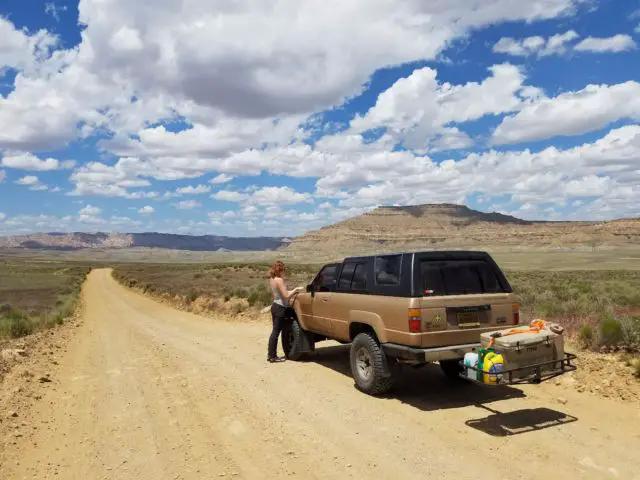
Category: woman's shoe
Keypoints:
(276, 359)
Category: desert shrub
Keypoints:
(586, 335)
(197, 275)
(631, 331)
(192, 295)
(260, 296)
(635, 364)
(241, 293)
(14, 324)
(227, 298)
(610, 330)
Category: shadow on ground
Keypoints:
(520, 421)
(424, 388)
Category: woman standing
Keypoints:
(278, 308)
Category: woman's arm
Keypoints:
(282, 290)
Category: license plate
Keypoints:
(468, 319)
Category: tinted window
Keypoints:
(387, 269)
(346, 275)
(458, 277)
(359, 281)
(326, 279)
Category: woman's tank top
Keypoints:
(276, 297)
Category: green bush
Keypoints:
(610, 330)
(192, 295)
(586, 335)
(631, 330)
(15, 325)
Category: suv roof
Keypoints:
(430, 254)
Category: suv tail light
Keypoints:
(516, 313)
(415, 320)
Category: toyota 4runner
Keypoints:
(409, 308)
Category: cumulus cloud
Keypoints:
(137, 65)
(91, 215)
(28, 161)
(191, 190)
(536, 45)
(147, 209)
(22, 51)
(571, 113)
(264, 196)
(2, 216)
(187, 204)
(32, 182)
(617, 43)
(221, 179)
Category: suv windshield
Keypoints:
(458, 277)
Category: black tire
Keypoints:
(452, 369)
(369, 365)
(292, 340)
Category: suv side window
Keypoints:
(359, 281)
(387, 269)
(346, 275)
(326, 279)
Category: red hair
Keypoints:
(277, 269)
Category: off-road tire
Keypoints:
(292, 335)
(452, 369)
(369, 365)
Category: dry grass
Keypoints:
(219, 281)
(37, 295)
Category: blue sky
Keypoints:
(243, 118)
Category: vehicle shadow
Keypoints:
(520, 421)
(425, 388)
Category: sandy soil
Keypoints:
(143, 391)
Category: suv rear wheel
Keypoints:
(369, 365)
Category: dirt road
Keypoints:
(148, 392)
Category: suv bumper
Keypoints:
(422, 355)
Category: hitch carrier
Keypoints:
(510, 377)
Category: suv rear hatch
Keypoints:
(462, 295)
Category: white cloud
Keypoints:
(571, 113)
(2, 216)
(28, 161)
(90, 210)
(221, 179)
(191, 190)
(264, 196)
(147, 209)
(416, 110)
(136, 65)
(32, 182)
(187, 204)
(21, 50)
(536, 45)
(615, 44)
(54, 10)
(91, 215)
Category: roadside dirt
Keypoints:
(144, 391)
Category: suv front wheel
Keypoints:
(292, 340)
(369, 365)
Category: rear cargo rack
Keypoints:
(540, 372)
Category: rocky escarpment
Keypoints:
(456, 226)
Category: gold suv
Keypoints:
(410, 308)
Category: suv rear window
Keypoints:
(458, 277)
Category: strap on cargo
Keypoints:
(536, 326)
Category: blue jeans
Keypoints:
(278, 317)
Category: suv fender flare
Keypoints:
(371, 319)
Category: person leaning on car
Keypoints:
(279, 307)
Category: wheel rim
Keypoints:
(364, 363)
